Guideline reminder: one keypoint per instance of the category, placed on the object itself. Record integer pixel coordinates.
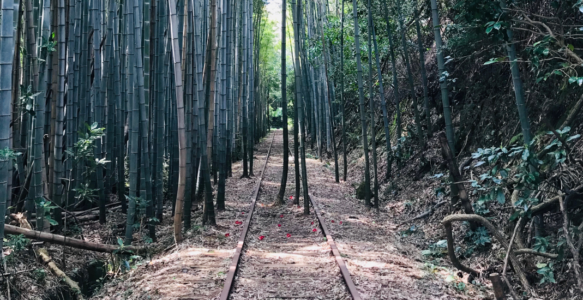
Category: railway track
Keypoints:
(282, 254)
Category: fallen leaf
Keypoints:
(227, 235)
(278, 225)
(288, 235)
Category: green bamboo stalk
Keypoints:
(161, 43)
(209, 80)
(442, 78)
(230, 90)
(517, 82)
(181, 122)
(60, 113)
(372, 107)
(98, 102)
(330, 95)
(362, 105)
(383, 102)
(344, 160)
(146, 189)
(38, 178)
(119, 90)
(223, 109)
(395, 88)
(134, 127)
(252, 86)
(282, 186)
(6, 59)
(410, 76)
(423, 73)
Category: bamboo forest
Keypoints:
(291, 149)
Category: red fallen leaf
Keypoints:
(288, 235)
(261, 238)
(314, 230)
(242, 213)
(340, 222)
(298, 206)
(312, 223)
(227, 235)
(278, 225)
(281, 216)
(291, 197)
(238, 222)
(332, 221)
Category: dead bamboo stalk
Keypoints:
(44, 255)
(71, 242)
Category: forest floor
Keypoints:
(383, 264)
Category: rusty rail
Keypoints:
(337, 256)
(235, 262)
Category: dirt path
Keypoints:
(298, 266)
(279, 266)
(197, 268)
(381, 266)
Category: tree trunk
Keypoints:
(364, 139)
(344, 161)
(410, 77)
(395, 90)
(282, 186)
(6, 58)
(383, 103)
(372, 108)
(442, 77)
(423, 73)
(181, 122)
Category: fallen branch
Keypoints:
(540, 209)
(44, 255)
(497, 286)
(423, 215)
(506, 262)
(479, 219)
(573, 113)
(576, 265)
(534, 252)
(71, 242)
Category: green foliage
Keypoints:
(409, 231)
(83, 192)
(83, 154)
(83, 148)
(27, 99)
(46, 207)
(277, 113)
(39, 275)
(437, 249)
(50, 45)
(17, 243)
(546, 271)
(541, 244)
(7, 155)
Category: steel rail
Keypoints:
(235, 262)
(337, 256)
